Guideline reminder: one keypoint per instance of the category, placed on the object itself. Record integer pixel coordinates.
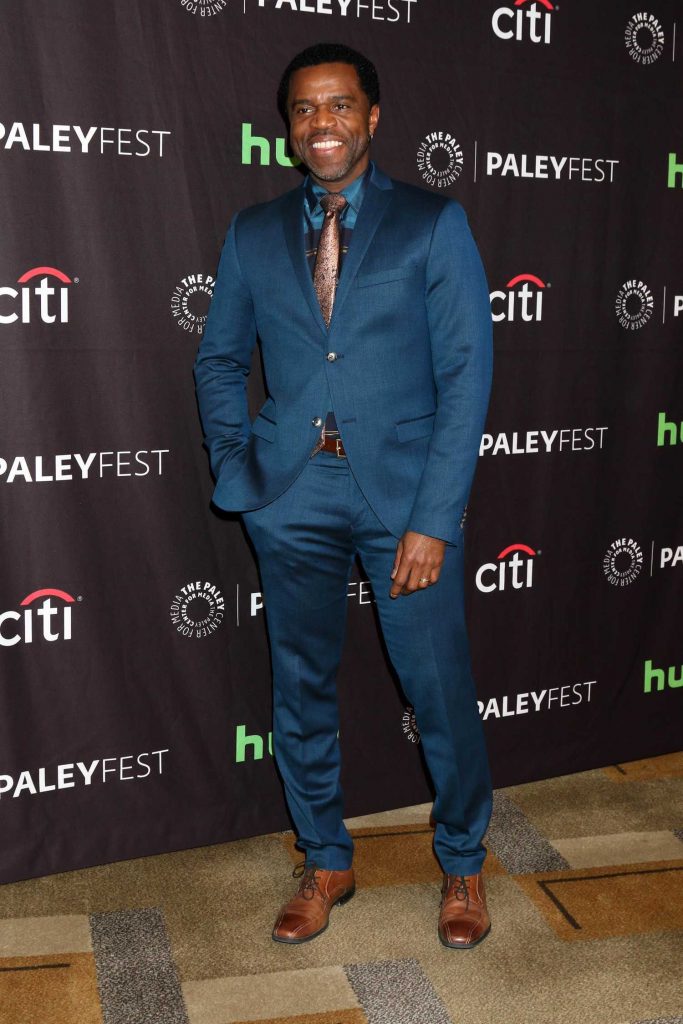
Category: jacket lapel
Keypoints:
(293, 224)
(377, 198)
(375, 202)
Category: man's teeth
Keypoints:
(327, 144)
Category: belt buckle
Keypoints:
(338, 444)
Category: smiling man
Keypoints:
(370, 303)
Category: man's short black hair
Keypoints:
(330, 53)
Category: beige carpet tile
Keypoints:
(271, 995)
(524, 973)
(666, 766)
(49, 989)
(33, 936)
(333, 1017)
(597, 903)
(621, 848)
(419, 814)
(589, 804)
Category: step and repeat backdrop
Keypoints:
(135, 708)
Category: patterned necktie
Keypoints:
(327, 257)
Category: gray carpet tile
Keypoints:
(517, 843)
(396, 992)
(136, 975)
(661, 1020)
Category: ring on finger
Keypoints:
(424, 579)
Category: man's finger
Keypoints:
(397, 559)
(400, 577)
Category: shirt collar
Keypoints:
(353, 193)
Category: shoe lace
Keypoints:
(460, 892)
(308, 886)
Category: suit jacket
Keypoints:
(411, 330)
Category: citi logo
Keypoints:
(517, 571)
(46, 299)
(522, 300)
(39, 617)
(263, 146)
(531, 23)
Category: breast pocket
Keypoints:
(385, 276)
(410, 430)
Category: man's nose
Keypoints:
(323, 119)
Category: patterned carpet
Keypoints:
(585, 887)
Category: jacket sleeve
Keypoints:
(223, 361)
(461, 336)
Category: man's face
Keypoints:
(330, 121)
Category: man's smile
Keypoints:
(323, 144)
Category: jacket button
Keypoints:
(331, 356)
(317, 421)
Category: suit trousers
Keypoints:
(306, 541)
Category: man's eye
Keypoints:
(342, 106)
(302, 110)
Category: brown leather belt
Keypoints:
(331, 443)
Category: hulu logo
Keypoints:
(668, 432)
(675, 179)
(262, 146)
(660, 678)
(254, 743)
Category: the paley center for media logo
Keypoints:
(43, 615)
(198, 609)
(190, 302)
(440, 159)
(644, 38)
(622, 562)
(42, 296)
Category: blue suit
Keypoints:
(406, 363)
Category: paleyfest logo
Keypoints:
(45, 614)
(198, 609)
(190, 302)
(634, 305)
(644, 38)
(44, 300)
(375, 10)
(440, 159)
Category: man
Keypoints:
(378, 380)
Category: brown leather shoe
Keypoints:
(307, 913)
(464, 920)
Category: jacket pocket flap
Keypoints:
(385, 276)
(264, 428)
(408, 430)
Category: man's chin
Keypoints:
(327, 174)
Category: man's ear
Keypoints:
(373, 118)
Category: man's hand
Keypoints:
(417, 564)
